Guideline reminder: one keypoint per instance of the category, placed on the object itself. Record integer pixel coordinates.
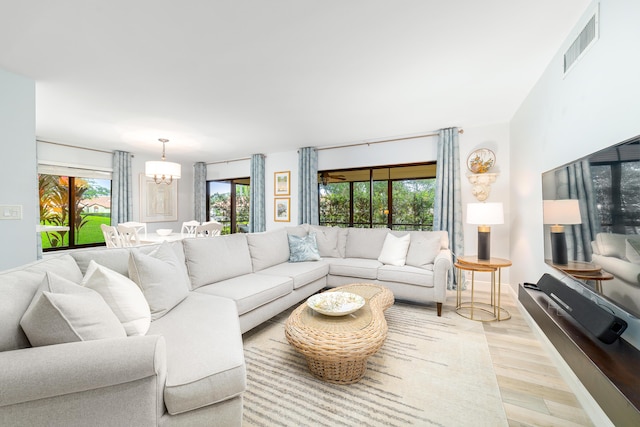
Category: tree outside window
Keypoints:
(78, 204)
(402, 197)
(228, 203)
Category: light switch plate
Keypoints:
(10, 212)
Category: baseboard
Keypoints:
(588, 403)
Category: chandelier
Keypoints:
(162, 171)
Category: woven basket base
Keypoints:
(341, 372)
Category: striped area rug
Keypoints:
(431, 371)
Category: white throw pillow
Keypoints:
(394, 250)
(424, 248)
(121, 294)
(160, 278)
(62, 311)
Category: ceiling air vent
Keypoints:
(587, 37)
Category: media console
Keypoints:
(610, 372)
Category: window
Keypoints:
(616, 185)
(228, 203)
(399, 197)
(73, 208)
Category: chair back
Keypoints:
(189, 228)
(209, 229)
(111, 236)
(141, 227)
(128, 235)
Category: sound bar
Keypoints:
(605, 326)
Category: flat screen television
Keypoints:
(605, 188)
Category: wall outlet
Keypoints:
(10, 212)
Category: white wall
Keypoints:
(562, 119)
(18, 178)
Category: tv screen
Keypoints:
(603, 240)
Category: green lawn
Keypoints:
(89, 233)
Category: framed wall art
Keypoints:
(281, 209)
(281, 185)
(158, 202)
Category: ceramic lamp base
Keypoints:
(484, 243)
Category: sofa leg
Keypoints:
(439, 308)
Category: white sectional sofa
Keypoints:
(617, 254)
(187, 366)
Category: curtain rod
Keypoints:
(74, 146)
(380, 142)
(229, 161)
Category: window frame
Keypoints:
(372, 180)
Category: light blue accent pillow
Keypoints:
(303, 248)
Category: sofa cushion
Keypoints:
(212, 260)
(251, 290)
(159, 276)
(355, 267)
(122, 295)
(633, 250)
(394, 249)
(365, 242)
(327, 240)
(303, 248)
(406, 274)
(117, 259)
(62, 311)
(302, 273)
(298, 230)
(268, 248)
(17, 288)
(205, 361)
(423, 249)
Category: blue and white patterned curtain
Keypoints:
(200, 191)
(121, 198)
(575, 182)
(308, 186)
(447, 215)
(257, 216)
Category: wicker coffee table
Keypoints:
(337, 348)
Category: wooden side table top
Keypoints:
(598, 275)
(492, 262)
(575, 267)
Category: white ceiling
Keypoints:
(225, 79)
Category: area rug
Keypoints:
(431, 371)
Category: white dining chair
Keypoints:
(141, 227)
(189, 228)
(128, 235)
(209, 229)
(111, 236)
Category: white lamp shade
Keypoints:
(485, 213)
(561, 211)
(162, 168)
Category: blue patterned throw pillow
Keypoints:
(303, 248)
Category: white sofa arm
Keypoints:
(441, 267)
(49, 372)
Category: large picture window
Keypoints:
(72, 209)
(398, 197)
(228, 203)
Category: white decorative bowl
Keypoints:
(164, 231)
(335, 303)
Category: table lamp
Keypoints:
(559, 213)
(484, 215)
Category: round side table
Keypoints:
(493, 308)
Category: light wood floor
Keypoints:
(533, 391)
